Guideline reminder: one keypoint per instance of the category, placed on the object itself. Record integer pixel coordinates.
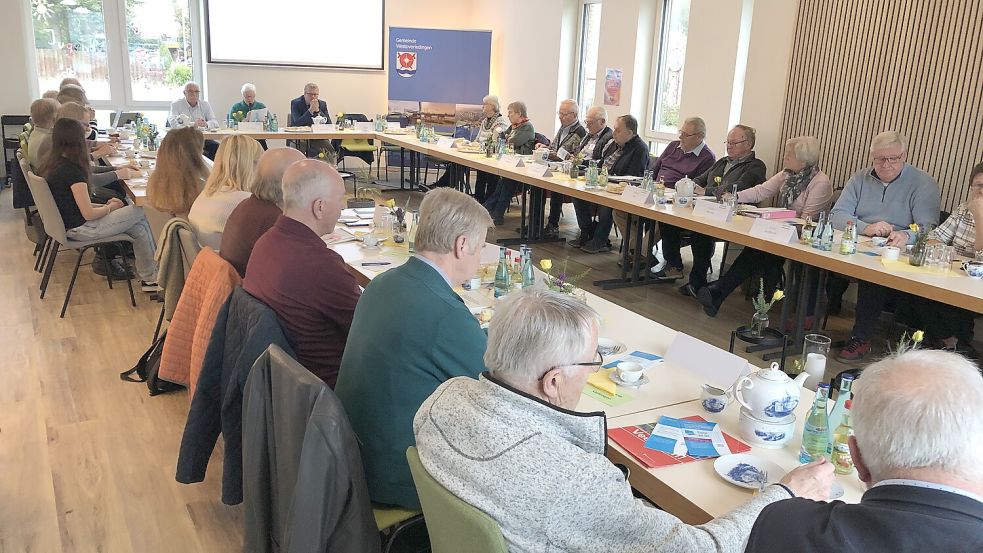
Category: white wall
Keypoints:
(627, 43)
(14, 66)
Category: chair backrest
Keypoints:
(356, 117)
(541, 139)
(54, 225)
(450, 520)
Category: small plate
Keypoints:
(607, 346)
(613, 375)
(836, 491)
(740, 469)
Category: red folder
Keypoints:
(633, 438)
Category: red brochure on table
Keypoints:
(633, 438)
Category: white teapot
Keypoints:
(684, 191)
(769, 394)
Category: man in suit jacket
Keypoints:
(567, 140)
(921, 467)
(625, 154)
(304, 109)
(410, 334)
(591, 148)
(739, 168)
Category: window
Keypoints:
(668, 74)
(590, 36)
(128, 54)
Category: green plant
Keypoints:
(178, 74)
(761, 305)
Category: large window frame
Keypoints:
(582, 45)
(118, 60)
(660, 52)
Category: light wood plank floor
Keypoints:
(87, 460)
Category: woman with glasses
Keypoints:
(513, 445)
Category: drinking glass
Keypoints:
(946, 254)
(932, 254)
(815, 352)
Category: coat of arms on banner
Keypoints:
(406, 64)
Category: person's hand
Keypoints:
(201, 122)
(103, 150)
(897, 238)
(124, 173)
(811, 481)
(879, 228)
(975, 207)
(114, 204)
(539, 145)
(699, 190)
(315, 107)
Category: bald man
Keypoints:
(258, 213)
(293, 271)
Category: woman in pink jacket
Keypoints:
(800, 186)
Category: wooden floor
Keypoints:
(87, 461)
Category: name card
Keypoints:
(390, 125)
(364, 126)
(773, 231)
(562, 153)
(715, 366)
(512, 160)
(637, 194)
(250, 127)
(445, 142)
(713, 211)
(322, 128)
(538, 170)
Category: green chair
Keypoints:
(450, 520)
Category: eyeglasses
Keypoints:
(736, 142)
(596, 363)
(880, 160)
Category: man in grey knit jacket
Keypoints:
(883, 201)
(511, 445)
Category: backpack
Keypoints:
(147, 367)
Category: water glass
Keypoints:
(815, 352)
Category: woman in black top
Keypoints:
(67, 170)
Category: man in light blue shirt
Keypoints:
(192, 110)
(883, 201)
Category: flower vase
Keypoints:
(399, 232)
(759, 322)
(917, 257)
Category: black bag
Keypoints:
(34, 227)
(147, 367)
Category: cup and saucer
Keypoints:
(629, 374)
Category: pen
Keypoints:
(371, 263)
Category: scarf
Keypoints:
(520, 123)
(795, 183)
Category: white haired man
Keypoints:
(429, 336)
(511, 445)
(917, 425)
(191, 109)
(883, 200)
(566, 141)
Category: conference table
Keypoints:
(691, 491)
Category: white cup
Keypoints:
(370, 240)
(714, 399)
(879, 241)
(891, 253)
(629, 371)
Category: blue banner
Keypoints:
(437, 66)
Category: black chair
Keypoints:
(10, 142)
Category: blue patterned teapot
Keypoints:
(769, 394)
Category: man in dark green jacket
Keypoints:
(411, 332)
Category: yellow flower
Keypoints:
(391, 203)
(918, 336)
(718, 180)
(914, 227)
(321, 155)
(777, 295)
(546, 264)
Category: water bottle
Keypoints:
(528, 275)
(501, 147)
(815, 434)
(817, 233)
(411, 233)
(827, 239)
(503, 278)
(275, 124)
(732, 202)
(647, 184)
(602, 179)
(592, 175)
(848, 242)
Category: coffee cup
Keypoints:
(974, 269)
(879, 241)
(370, 240)
(891, 253)
(714, 399)
(630, 372)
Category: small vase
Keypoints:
(759, 322)
(917, 257)
(399, 232)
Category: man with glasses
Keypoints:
(513, 445)
(591, 148)
(567, 140)
(303, 110)
(883, 200)
(738, 168)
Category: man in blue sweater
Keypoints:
(883, 201)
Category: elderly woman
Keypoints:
(801, 186)
(227, 186)
(946, 326)
(521, 136)
(512, 445)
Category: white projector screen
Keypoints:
(301, 33)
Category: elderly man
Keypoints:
(393, 362)
(292, 270)
(512, 445)
(258, 213)
(248, 104)
(883, 201)
(590, 148)
(43, 113)
(625, 154)
(566, 141)
(739, 169)
(191, 109)
(303, 110)
(921, 467)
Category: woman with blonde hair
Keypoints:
(229, 184)
(180, 173)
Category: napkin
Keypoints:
(602, 382)
(905, 267)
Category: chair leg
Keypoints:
(52, 254)
(129, 277)
(42, 254)
(71, 285)
(109, 264)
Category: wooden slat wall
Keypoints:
(859, 68)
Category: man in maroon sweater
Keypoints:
(256, 214)
(292, 270)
